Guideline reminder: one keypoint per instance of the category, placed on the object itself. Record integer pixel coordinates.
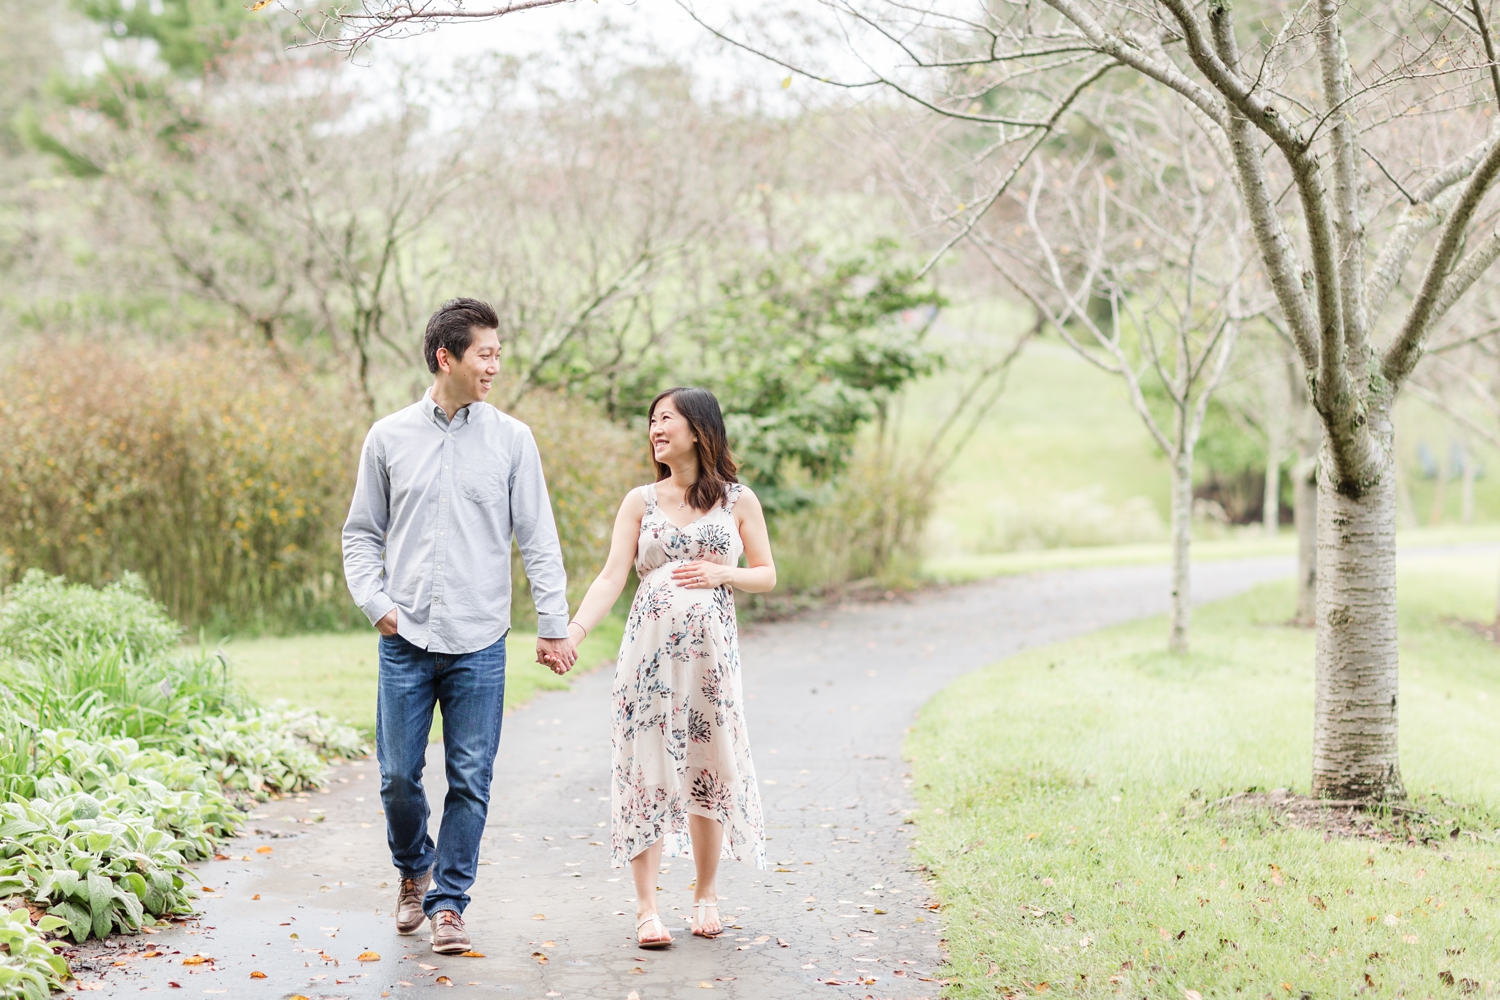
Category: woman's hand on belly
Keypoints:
(700, 574)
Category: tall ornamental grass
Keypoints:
(220, 474)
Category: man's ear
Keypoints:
(444, 359)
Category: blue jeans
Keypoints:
(470, 688)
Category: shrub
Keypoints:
(864, 525)
(43, 616)
(218, 473)
(590, 464)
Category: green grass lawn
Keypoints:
(1064, 461)
(336, 672)
(1063, 812)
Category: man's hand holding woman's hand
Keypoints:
(701, 574)
(558, 654)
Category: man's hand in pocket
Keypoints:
(387, 625)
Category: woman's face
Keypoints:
(672, 440)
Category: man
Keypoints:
(443, 485)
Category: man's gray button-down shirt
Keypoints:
(435, 507)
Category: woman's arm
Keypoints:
(759, 574)
(605, 589)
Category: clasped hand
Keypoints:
(558, 655)
(702, 574)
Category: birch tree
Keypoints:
(1134, 257)
(1365, 157)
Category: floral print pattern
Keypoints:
(679, 740)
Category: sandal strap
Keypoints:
(646, 920)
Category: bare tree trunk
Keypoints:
(1440, 492)
(1468, 485)
(1305, 518)
(1270, 514)
(1182, 541)
(1354, 730)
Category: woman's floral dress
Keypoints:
(679, 739)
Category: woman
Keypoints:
(681, 754)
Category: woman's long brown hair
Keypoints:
(716, 466)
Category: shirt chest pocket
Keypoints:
(482, 485)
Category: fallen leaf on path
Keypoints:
(538, 916)
(725, 979)
(782, 943)
(263, 849)
(88, 986)
(541, 959)
(835, 982)
(444, 981)
(402, 982)
(367, 956)
(549, 944)
(763, 939)
(178, 986)
(153, 953)
(257, 975)
(256, 896)
(471, 954)
(1318, 902)
(196, 960)
(636, 970)
(810, 899)
(429, 968)
(633, 996)
(705, 986)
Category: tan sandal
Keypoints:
(700, 918)
(661, 939)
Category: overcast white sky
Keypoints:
(638, 28)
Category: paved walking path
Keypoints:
(829, 698)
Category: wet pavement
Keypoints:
(309, 890)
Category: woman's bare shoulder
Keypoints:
(634, 503)
(745, 499)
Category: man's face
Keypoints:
(469, 378)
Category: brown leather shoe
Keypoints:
(448, 934)
(409, 915)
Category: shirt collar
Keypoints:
(435, 413)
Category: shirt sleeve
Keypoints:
(536, 534)
(364, 532)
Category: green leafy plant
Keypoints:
(43, 616)
(97, 871)
(30, 967)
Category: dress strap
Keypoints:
(649, 491)
(732, 494)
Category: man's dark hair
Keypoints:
(452, 327)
